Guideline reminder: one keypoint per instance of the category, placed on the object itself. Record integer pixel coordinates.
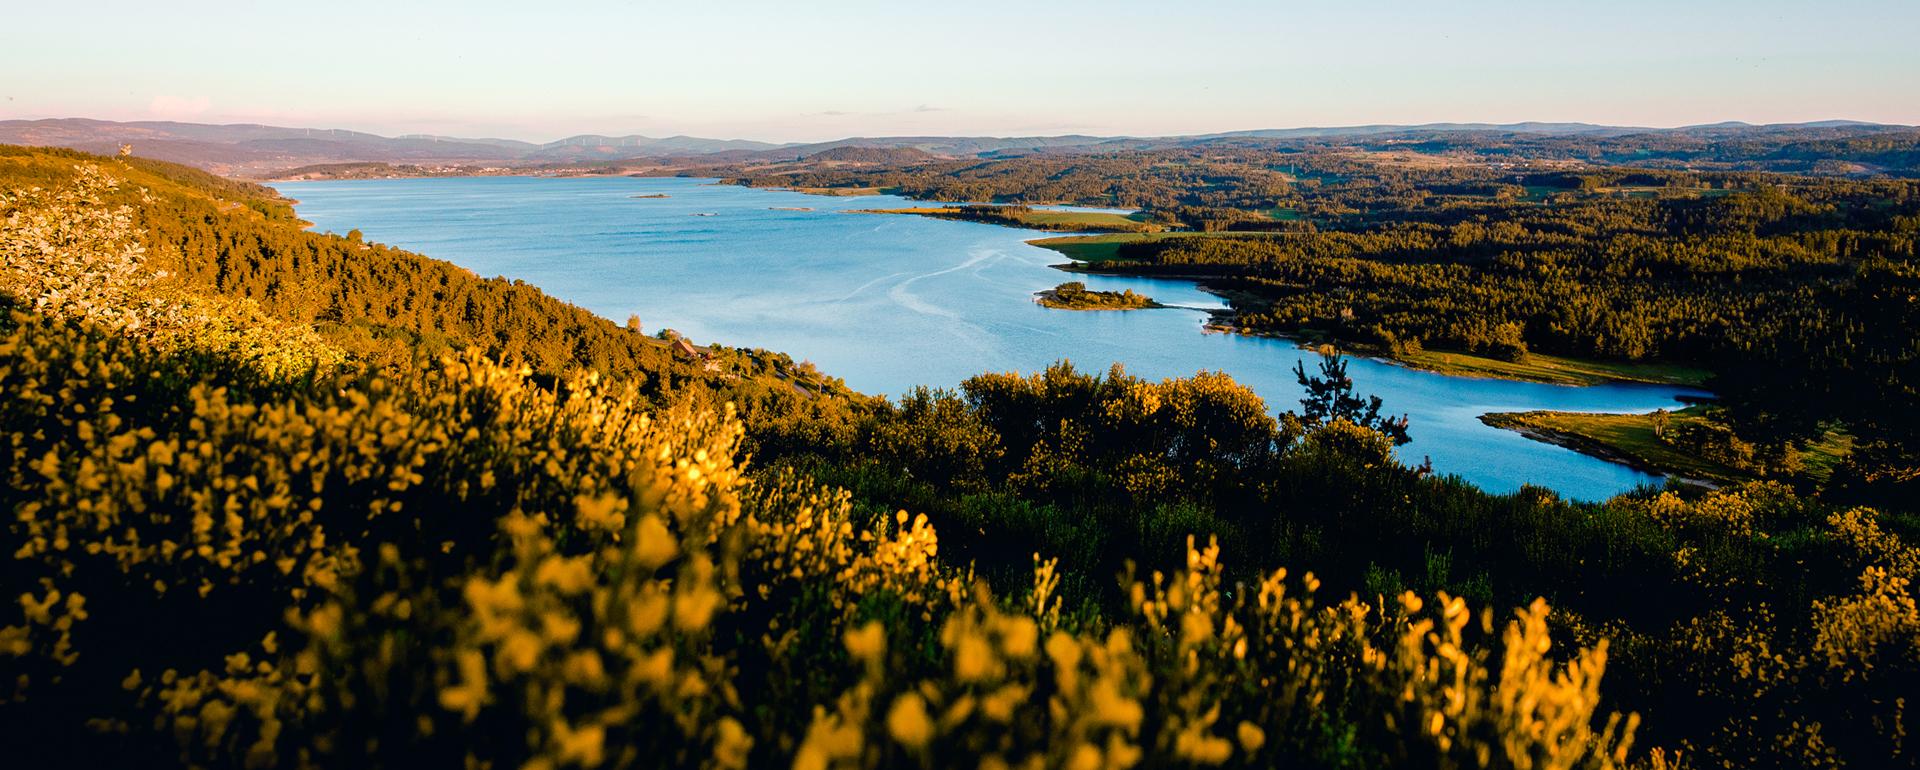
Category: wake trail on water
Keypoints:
(965, 328)
(907, 298)
(866, 286)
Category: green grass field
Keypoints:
(1558, 370)
(1092, 220)
(1100, 248)
(842, 191)
(1038, 219)
(1630, 437)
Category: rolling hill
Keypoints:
(259, 151)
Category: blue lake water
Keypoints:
(888, 302)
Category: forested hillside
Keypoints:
(384, 305)
(279, 498)
(1799, 292)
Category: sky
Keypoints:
(800, 71)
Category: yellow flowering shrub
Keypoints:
(1729, 512)
(1792, 673)
(458, 565)
(1871, 544)
(66, 251)
(1201, 678)
(229, 546)
(1882, 619)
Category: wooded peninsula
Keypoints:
(1759, 286)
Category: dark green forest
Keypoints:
(1798, 291)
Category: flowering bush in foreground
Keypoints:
(228, 545)
(457, 563)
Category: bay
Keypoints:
(889, 302)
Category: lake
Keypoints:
(888, 302)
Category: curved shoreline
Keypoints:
(1222, 319)
(1587, 446)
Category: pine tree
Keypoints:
(1330, 397)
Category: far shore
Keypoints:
(1088, 251)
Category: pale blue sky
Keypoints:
(807, 71)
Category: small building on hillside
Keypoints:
(682, 347)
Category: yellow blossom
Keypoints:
(867, 643)
(654, 546)
(908, 722)
(1251, 737)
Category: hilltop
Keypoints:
(242, 241)
(259, 151)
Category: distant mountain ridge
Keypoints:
(259, 150)
(245, 148)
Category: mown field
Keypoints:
(1558, 370)
(1656, 442)
(1037, 219)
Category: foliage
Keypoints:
(642, 602)
(436, 559)
(1031, 218)
(1073, 295)
(65, 252)
(1798, 290)
(1330, 397)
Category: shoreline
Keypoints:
(1220, 320)
(1223, 320)
(1062, 218)
(1590, 447)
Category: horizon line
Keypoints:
(1472, 124)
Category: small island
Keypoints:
(1074, 295)
(653, 196)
